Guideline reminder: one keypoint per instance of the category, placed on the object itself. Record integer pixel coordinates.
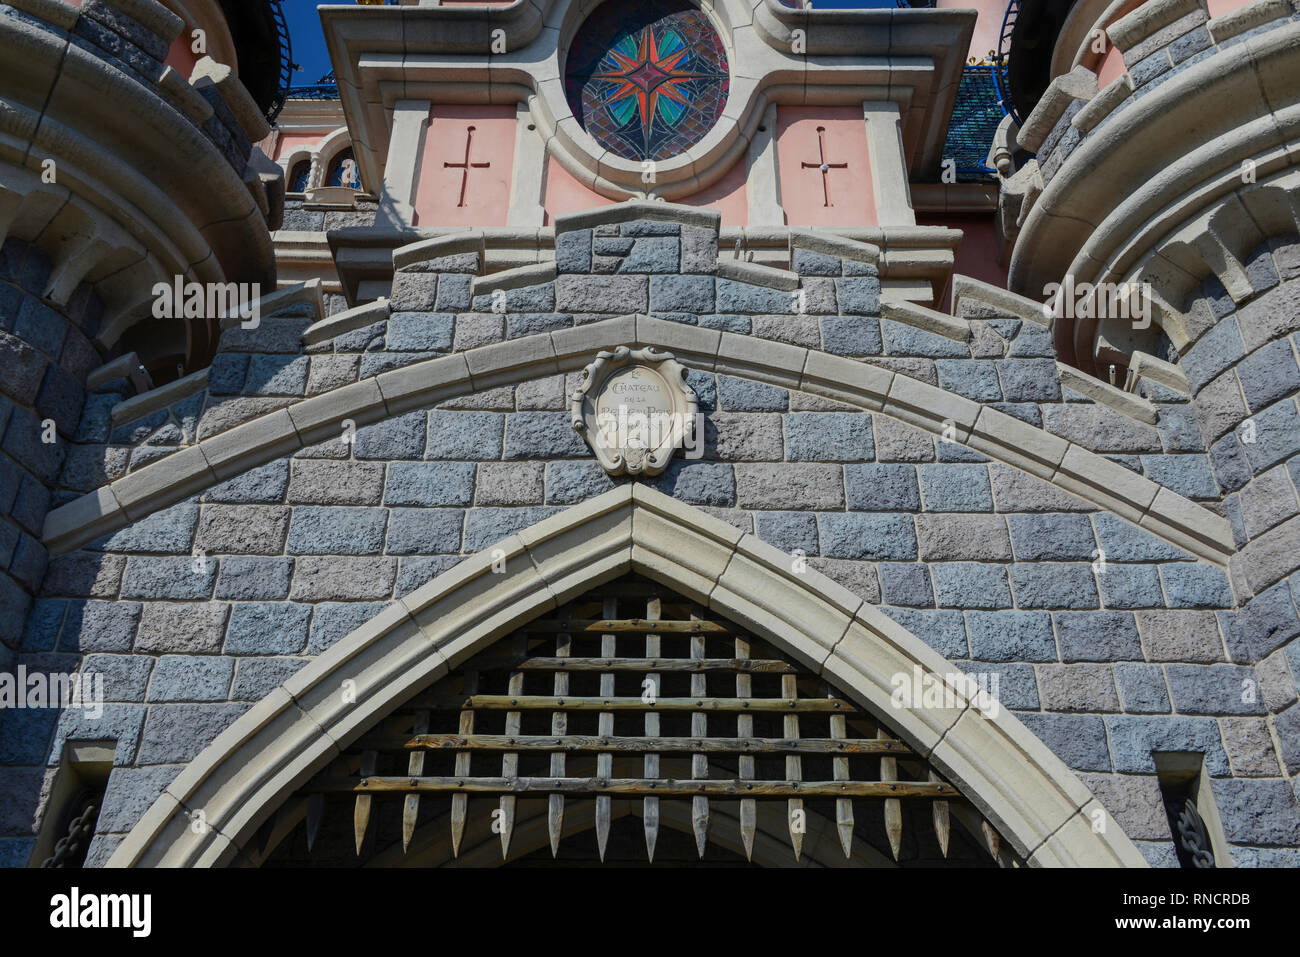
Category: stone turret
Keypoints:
(1165, 170)
(117, 173)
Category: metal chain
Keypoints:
(1192, 835)
(68, 851)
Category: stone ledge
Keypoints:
(159, 398)
(348, 321)
(1113, 397)
(964, 287)
(634, 209)
(832, 245)
(1103, 104)
(758, 275)
(514, 278)
(470, 241)
(1234, 22)
(311, 292)
(928, 320)
(1079, 84)
(1132, 28)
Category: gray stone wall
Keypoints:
(1108, 642)
(46, 353)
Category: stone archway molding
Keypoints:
(865, 386)
(216, 804)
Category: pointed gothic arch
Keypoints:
(218, 802)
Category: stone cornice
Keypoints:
(384, 54)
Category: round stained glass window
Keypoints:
(647, 81)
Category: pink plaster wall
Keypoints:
(844, 133)
(977, 255)
(289, 142)
(988, 26)
(181, 56)
(564, 194)
(487, 192)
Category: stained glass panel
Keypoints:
(647, 82)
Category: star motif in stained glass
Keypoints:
(647, 83)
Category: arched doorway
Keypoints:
(214, 811)
(700, 715)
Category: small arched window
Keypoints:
(343, 170)
(299, 175)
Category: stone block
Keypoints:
(336, 483)
(1269, 374)
(1054, 585)
(568, 483)
(828, 437)
(242, 529)
(1130, 586)
(268, 483)
(1191, 636)
(464, 435)
(1142, 688)
(429, 483)
(184, 628)
(192, 678)
(971, 585)
(251, 578)
(255, 678)
(576, 293)
(851, 335)
(1249, 746)
(336, 530)
(1029, 380)
(677, 293)
(1078, 740)
(542, 435)
(944, 631)
(791, 532)
(743, 437)
(1100, 429)
(176, 733)
(267, 628)
(1122, 541)
(335, 620)
(899, 442)
(882, 488)
(1213, 689)
(1017, 491)
(789, 486)
(1010, 635)
(904, 340)
(1189, 585)
(697, 483)
(906, 584)
(401, 437)
(865, 535)
(485, 527)
(174, 578)
(956, 488)
(1257, 812)
(413, 531)
(1078, 688)
(1052, 537)
(952, 537)
(170, 531)
(975, 379)
(744, 395)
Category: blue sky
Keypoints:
(314, 62)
